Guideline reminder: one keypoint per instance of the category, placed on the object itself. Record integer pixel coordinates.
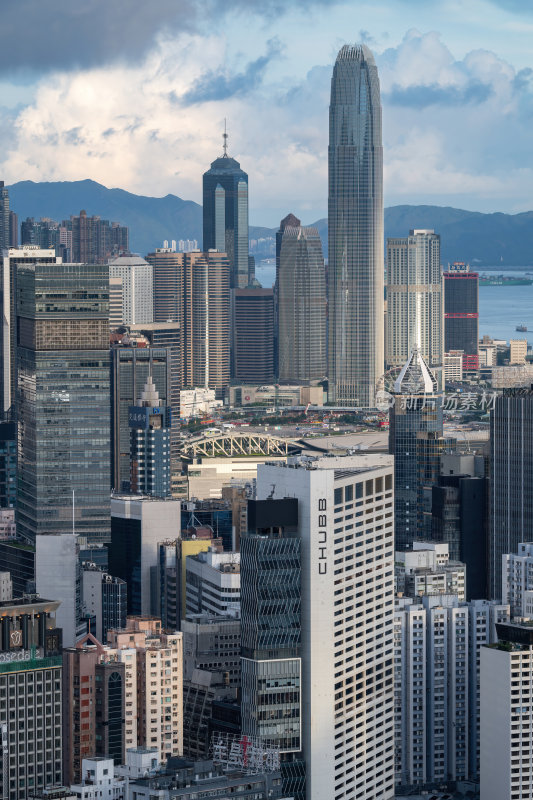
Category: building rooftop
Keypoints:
(415, 376)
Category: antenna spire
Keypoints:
(225, 139)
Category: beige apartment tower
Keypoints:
(415, 317)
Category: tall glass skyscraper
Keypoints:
(301, 292)
(355, 218)
(63, 399)
(414, 437)
(225, 202)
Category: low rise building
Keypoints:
(427, 570)
(273, 395)
(192, 780)
(98, 781)
(453, 366)
(198, 402)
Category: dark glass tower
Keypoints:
(225, 202)
(511, 484)
(253, 351)
(355, 219)
(63, 399)
(461, 313)
(414, 436)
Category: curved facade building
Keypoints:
(301, 306)
(355, 218)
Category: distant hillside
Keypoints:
(482, 239)
(151, 220)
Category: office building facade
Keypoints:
(137, 288)
(253, 335)
(137, 525)
(417, 411)
(225, 208)
(167, 334)
(355, 225)
(11, 258)
(301, 301)
(58, 575)
(347, 724)
(414, 300)
(272, 634)
(511, 443)
(149, 423)
(130, 368)
(8, 464)
(63, 399)
(30, 697)
(461, 313)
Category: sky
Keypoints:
(134, 94)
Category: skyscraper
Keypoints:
(4, 217)
(149, 423)
(225, 204)
(342, 628)
(414, 299)
(301, 294)
(461, 313)
(253, 351)
(206, 330)
(130, 368)
(167, 268)
(417, 411)
(511, 484)
(63, 399)
(355, 220)
(11, 258)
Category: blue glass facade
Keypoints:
(63, 400)
(8, 464)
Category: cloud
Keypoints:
(37, 37)
(456, 131)
(220, 85)
(418, 96)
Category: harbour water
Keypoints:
(501, 308)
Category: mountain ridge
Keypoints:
(482, 239)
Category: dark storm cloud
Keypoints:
(220, 85)
(418, 96)
(37, 36)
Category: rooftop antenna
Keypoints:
(225, 138)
